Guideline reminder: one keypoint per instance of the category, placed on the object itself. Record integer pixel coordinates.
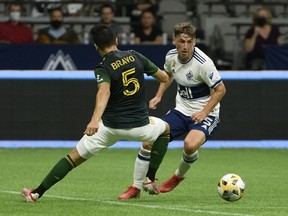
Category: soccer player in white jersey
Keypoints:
(200, 89)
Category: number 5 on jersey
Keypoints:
(127, 81)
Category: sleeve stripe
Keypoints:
(215, 84)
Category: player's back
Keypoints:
(127, 104)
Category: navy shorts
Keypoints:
(181, 124)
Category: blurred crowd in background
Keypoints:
(227, 30)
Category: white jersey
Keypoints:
(195, 79)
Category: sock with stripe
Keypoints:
(186, 161)
(141, 168)
(158, 152)
(58, 172)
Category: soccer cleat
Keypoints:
(151, 187)
(170, 184)
(28, 195)
(131, 192)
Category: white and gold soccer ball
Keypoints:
(231, 187)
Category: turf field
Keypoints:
(92, 188)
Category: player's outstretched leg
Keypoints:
(158, 152)
(58, 172)
(184, 166)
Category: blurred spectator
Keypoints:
(143, 5)
(148, 32)
(57, 33)
(73, 9)
(262, 33)
(42, 7)
(14, 31)
(107, 14)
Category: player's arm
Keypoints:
(161, 76)
(102, 98)
(216, 97)
(160, 92)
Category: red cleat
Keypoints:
(170, 184)
(131, 192)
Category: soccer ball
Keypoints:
(231, 187)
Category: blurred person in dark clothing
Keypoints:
(57, 33)
(148, 32)
(107, 14)
(262, 33)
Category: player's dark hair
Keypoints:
(103, 36)
(186, 28)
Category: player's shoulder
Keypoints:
(204, 62)
(200, 56)
(172, 52)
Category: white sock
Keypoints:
(141, 168)
(185, 163)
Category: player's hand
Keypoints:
(199, 116)
(154, 102)
(91, 128)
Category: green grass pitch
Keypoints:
(92, 188)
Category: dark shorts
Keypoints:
(181, 124)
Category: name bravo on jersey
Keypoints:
(118, 63)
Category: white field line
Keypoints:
(125, 203)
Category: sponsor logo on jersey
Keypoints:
(211, 75)
(173, 63)
(98, 78)
(58, 61)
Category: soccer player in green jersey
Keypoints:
(120, 113)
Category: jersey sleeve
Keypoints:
(150, 67)
(169, 61)
(210, 74)
(101, 75)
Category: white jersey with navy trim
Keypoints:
(195, 79)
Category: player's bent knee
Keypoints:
(167, 129)
(190, 148)
(147, 145)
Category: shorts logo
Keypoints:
(151, 120)
(207, 123)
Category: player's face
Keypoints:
(185, 46)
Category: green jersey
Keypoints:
(124, 70)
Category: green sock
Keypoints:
(58, 172)
(158, 152)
